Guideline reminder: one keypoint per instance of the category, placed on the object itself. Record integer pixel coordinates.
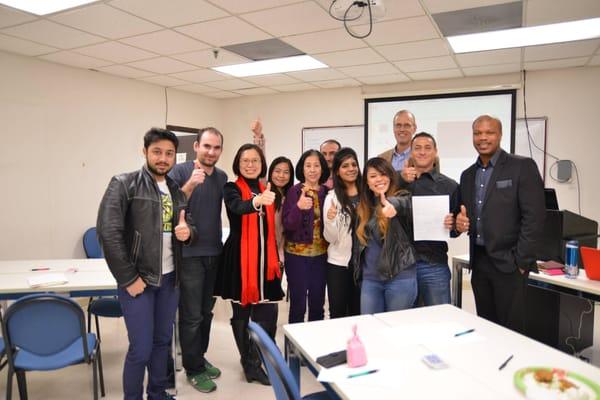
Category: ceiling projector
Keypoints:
(351, 10)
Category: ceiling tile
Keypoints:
(561, 50)
(238, 7)
(163, 80)
(539, 12)
(438, 6)
(105, 21)
(201, 75)
(271, 80)
(165, 42)
(492, 69)
(171, 13)
(326, 41)
(556, 64)
(368, 70)
(381, 79)
(325, 74)
(402, 30)
(426, 64)
(491, 57)
(162, 65)
(124, 71)
(75, 60)
(52, 34)
(115, 52)
(206, 58)
(224, 32)
(296, 87)
(350, 57)
(296, 18)
(337, 83)
(10, 16)
(255, 91)
(195, 88)
(427, 75)
(231, 84)
(595, 60)
(25, 47)
(221, 95)
(407, 51)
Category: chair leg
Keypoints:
(22, 384)
(95, 378)
(101, 371)
(89, 321)
(9, 381)
(97, 327)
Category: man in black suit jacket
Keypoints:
(502, 197)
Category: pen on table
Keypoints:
(372, 371)
(41, 269)
(505, 363)
(464, 332)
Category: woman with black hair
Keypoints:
(281, 172)
(305, 247)
(340, 218)
(250, 275)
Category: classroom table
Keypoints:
(396, 342)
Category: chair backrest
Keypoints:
(2, 347)
(281, 377)
(44, 324)
(91, 245)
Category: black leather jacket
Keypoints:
(130, 227)
(397, 253)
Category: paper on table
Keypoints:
(47, 280)
(428, 217)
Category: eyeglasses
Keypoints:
(249, 162)
(403, 126)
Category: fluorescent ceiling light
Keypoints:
(529, 36)
(273, 66)
(43, 7)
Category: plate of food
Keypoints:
(545, 383)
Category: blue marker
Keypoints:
(372, 371)
(464, 332)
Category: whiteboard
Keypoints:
(536, 147)
(349, 136)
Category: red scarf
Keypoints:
(249, 246)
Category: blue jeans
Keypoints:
(434, 283)
(149, 319)
(398, 293)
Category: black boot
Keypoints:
(249, 356)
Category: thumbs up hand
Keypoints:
(256, 127)
(449, 221)
(462, 220)
(332, 211)
(198, 175)
(408, 172)
(305, 202)
(266, 198)
(387, 209)
(182, 230)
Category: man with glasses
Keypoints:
(404, 129)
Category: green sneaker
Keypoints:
(202, 383)
(212, 371)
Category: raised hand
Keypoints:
(266, 198)
(387, 209)
(182, 230)
(198, 174)
(332, 212)
(408, 173)
(305, 202)
(462, 220)
(256, 127)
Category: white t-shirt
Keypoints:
(168, 264)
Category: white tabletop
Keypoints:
(397, 341)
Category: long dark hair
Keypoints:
(280, 193)
(339, 186)
(300, 166)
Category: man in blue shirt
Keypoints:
(404, 129)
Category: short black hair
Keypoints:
(280, 193)
(238, 156)
(424, 135)
(331, 141)
(156, 134)
(300, 166)
(209, 129)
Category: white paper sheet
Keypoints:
(47, 280)
(428, 217)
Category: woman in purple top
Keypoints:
(305, 247)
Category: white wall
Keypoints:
(65, 132)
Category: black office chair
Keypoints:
(102, 306)
(3, 361)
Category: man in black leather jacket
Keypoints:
(141, 226)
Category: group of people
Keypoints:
(340, 229)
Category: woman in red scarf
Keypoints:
(250, 275)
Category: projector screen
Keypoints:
(447, 117)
